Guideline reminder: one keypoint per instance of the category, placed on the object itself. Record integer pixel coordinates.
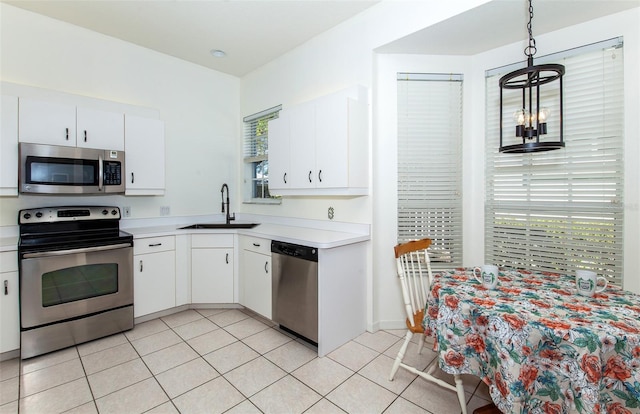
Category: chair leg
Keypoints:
(460, 392)
(400, 356)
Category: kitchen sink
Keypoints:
(209, 226)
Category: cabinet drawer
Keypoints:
(8, 261)
(256, 244)
(154, 244)
(211, 240)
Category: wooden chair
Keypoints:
(414, 272)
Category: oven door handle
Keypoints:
(76, 251)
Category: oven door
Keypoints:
(66, 284)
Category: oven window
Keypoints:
(61, 171)
(79, 282)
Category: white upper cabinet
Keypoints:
(44, 122)
(279, 152)
(302, 122)
(99, 129)
(55, 123)
(9, 146)
(144, 156)
(325, 151)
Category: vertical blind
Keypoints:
(430, 163)
(256, 151)
(562, 210)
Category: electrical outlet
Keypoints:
(126, 211)
(165, 210)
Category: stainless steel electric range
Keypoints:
(76, 277)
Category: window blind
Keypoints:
(256, 151)
(562, 210)
(430, 163)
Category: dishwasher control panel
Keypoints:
(295, 250)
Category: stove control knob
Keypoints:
(39, 214)
(105, 212)
(26, 216)
(114, 212)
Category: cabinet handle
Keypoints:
(256, 244)
(85, 135)
(155, 245)
(132, 178)
(227, 258)
(265, 267)
(284, 178)
(320, 175)
(6, 287)
(66, 134)
(141, 265)
(309, 176)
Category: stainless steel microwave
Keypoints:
(54, 169)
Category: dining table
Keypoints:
(539, 345)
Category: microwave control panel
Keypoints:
(112, 173)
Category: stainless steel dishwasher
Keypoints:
(294, 289)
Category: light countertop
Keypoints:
(318, 238)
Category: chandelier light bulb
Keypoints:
(520, 116)
(543, 115)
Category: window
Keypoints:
(563, 210)
(256, 154)
(430, 163)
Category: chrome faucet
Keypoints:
(229, 216)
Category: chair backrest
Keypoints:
(414, 271)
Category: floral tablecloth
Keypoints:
(540, 346)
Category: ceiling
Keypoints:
(251, 32)
(502, 22)
(254, 32)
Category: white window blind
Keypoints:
(562, 210)
(256, 151)
(430, 163)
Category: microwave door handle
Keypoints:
(100, 172)
(76, 251)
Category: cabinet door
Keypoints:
(256, 282)
(279, 152)
(212, 275)
(43, 122)
(9, 146)
(302, 143)
(332, 142)
(100, 129)
(9, 312)
(144, 156)
(154, 282)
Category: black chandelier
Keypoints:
(531, 117)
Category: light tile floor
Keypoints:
(225, 361)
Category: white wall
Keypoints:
(334, 60)
(200, 107)
(387, 295)
(339, 58)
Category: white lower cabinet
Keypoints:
(9, 303)
(154, 263)
(255, 274)
(212, 263)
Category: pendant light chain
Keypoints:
(531, 49)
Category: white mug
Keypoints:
(587, 282)
(488, 275)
